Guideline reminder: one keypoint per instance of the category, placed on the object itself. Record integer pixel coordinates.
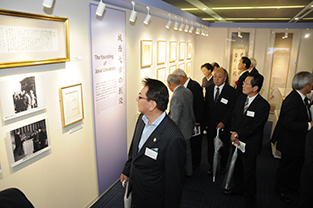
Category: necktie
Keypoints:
(217, 94)
(307, 106)
(246, 105)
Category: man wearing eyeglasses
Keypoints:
(154, 170)
(247, 124)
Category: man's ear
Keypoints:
(153, 105)
(255, 88)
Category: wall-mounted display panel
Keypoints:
(161, 74)
(188, 68)
(71, 104)
(161, 52)
(32, 39)
(172, 68)
(182, 49)
(146, 53)
(27, 142)
(173, 51)
(182, 66)
(21, 95)
(189, 49)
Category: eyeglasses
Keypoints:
(245, 83)
(139, 97)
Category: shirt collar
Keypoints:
(156, 122)
(302, 95)
(176, 87)
(220, 87)
(187, 82)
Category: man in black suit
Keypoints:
(220, 100)
(292, 126)
(198, 110)
(243, 67)
(249, 117)
(156, 158)
(306, 180)
(253, 64)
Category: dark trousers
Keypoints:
(306, 201)
(288, 173)
(196, 146)
(224, 151)
(245, 177)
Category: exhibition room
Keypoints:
(71, 71)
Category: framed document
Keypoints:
(161, 74)
(173, 51)
(146, 53)
(188, 68)
(161, 51)
(182, 66)
(182, 51)
(172, 68)
(189, 47)
(71, 104)
(32, 39)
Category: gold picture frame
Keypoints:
(32, 39)
(71, 104)
(189, 49)
(188, 68)
(161, 52)
(146, 53)
(182, 46)
(173, 51)
(182, 66)
(172, 68)
(161, 74)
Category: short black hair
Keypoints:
(208, 66)
(214, 64)
(157, 91)
(257, 80)
(246, 61)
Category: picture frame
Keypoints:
(189, 49)
(161, 74)
(161, 52)
(188, 68)
(172, 68)
(146, 53)
(182, 66)
(173, 51)
(71, 104)
(182, 46)
(20, 30)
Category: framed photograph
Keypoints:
(188, 68)
(28, 141)
(182, 66)
(32, 39)
(161, 51)
(71, 104)
(21, 95)
(172, 68)
(173, 51)
(182, 46)
(146, 53)
(161, 74)
(189, 48)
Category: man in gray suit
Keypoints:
(181, 112)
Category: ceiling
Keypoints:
(248, 10)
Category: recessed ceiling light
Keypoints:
(278, 7)
(204, 8)
(297, 18)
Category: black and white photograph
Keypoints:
(28, 141)
(22, 94)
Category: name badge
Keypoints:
(223, 100)
(250, 113)
(150, 153)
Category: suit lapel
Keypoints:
(139, 131)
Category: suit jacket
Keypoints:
(307, 170)
(206, 82)
(198, 100)
(240, 82)
(291, 128)
(156, 183)
(181, 110)
(250, 125)
(254, 70)
(221, 111)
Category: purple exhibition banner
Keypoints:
(108, 57)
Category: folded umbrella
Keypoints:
(230, 171)
(217, 145)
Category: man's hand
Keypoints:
(220, 125)
(124, 179)
(234, 137)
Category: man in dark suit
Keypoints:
(253, 64)
(181, 112)
(207, 70)
(156, 158)
(249, 117)
(292, 126)
(243, 67)
(306, 199)
(198, 110)
(220, 100)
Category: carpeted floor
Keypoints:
(200, 191)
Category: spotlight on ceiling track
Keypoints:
(176, 23)
(198, 30)
(186, 27)
(133, 14)
(48, 3)
(100, 8)
(182, 25)
(286, 34)
(191, 28)
(169, 23)
(148, 17)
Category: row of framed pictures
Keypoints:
(162, 72)
(162, 51)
